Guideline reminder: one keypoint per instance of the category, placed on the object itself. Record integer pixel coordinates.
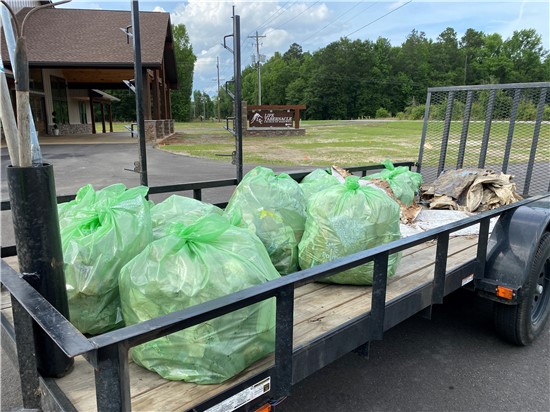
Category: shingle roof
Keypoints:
(71, 37)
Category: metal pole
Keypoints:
(32, 194)
(238, 101)
(259, 59)
(218, 68)
(138, 72)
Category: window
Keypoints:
(59, 97)
(36, 82)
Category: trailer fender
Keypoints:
(511, 249)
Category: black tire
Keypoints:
(521, 324)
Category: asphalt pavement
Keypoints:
(454, 362)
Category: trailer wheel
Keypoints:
(522, 323)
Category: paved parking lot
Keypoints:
(452, 363)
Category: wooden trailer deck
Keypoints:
(318, 310)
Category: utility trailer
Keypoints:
(317, 323)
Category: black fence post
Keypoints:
(38, 241)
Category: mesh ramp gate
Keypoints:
(505, 128)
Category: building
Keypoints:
(76, 54)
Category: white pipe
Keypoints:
(8, 119)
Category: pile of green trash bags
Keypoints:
(403, 182)
(316, 181)
(180, 209)
(274, 208)
(192, 264)
(344, 219)
(101, 231)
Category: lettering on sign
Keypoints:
(271, 119)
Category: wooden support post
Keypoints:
(163, 90)
(296, 118)
(110, 118)
(103, 117)
(168, 104)
(146, 95)
(94, 131)
(156, 95)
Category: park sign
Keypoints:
(270, 116)
(271, 119)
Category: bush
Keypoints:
(526, 111)
(382, 113)
(415, 112)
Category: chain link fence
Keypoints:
(505, 128)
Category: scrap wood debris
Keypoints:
(470, 190)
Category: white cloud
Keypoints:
(313, 24)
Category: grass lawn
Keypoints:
(353, 143)
(344, 143)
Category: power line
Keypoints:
(379, 18)
(295, 17)
(276, 15)
(360, 12)
(332, 22)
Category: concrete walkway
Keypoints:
(97, 138)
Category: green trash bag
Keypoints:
(346, 219)
(194, 264)
(403, 183)
(273, 206)
(180, 209)
(100, 232)
(316, 181)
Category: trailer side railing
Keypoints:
(503, 127)
(108, 352)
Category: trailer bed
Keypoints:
(319, 309)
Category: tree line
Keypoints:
(357, 78)
(350, 79)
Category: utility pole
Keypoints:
(218, 68)
(258, 62)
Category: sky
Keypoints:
(314, 24)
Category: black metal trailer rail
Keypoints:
(483, 117)
(108, 353)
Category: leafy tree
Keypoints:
(185, 60)
(470, 44)
(526, 52)
(125, 109)
(352, 78)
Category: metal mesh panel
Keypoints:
(500, 127)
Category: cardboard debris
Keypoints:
(458, 192)
(340, 173)
(471, 190)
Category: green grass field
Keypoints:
(342, 143)
(352, 143)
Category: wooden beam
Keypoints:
(146, 95)
(94, 131)
(110, 118)
(163, 113)
(97, 75)
(156, 95)
(103, 117)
